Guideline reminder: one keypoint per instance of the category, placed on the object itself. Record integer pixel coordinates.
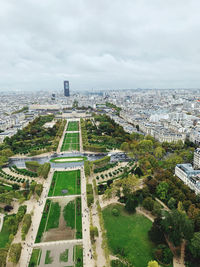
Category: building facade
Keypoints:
(66, 88)
(196, 161)
(189, 176)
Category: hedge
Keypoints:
(101, 162)
(41, 169)
(90, 197)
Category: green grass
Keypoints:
(48, 258)
(35, 258)
(78, 256)
(80, 159)
(74, 220)
(54, 215)
(65, 180)
(73, 126)
(4, 235)
(43, 221)
(64, 256)
(128, 236)
(71, 142)
(69, 214)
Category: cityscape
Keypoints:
(152, 149)
(99, 133)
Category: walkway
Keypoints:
(101, 260)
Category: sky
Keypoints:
(99, 44)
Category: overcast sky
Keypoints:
(99, 44)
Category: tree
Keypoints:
(124, 146)
(38, 189)
(138, 171)
(171, 203)
(194, 246)
(177, 226)
(162, 190)
(131, 204)
(156, 209)
(15, 252)
(3, 256)
(145, 146)
(153, 264)
(163, 254)
(159, 152)
(15, 187)
(93, 233)
(26, 225)
(32, 186)
(148, 203)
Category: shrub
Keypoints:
(148, 203)
(15, 252)
(115, 212)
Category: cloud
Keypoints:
(99, 44)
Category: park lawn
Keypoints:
(71, 142)
(4, 234)
(68, 159)
(127, 235)
(54, 215)
(35, 258)
(48, 258)
(69, 214)
(78, 218)
(43, 221)
(69, 180)
(73, 126)
(78, 256)
(64, 256)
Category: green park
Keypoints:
(73, 126)
(61, 220)
(127, 235)
(71, 142)
(68, 159)
(65, 183)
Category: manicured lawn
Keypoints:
(35, 258)
(78, 256)
(74, 220)
(54, 215)
(65, 180)
(70, 142)
(68, 159)
(128, 235)
(69, 214)
(73, 126)
(64, 256)
(43, 221)
(48, 258)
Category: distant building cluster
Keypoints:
(189, 174)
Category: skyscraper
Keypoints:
(66, 88)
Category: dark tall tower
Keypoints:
(66, 88)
